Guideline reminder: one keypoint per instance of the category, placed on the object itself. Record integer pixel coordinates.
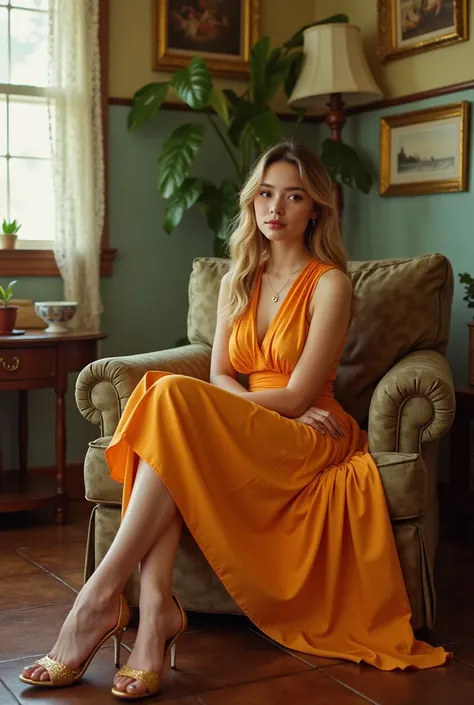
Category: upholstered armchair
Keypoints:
(393, 378)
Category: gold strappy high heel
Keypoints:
(62, 675)
(152, 680)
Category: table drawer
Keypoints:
(32, 363)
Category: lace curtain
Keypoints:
(77, 152)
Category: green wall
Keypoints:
(383, 227)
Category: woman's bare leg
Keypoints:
(95, 611)
(160, 618)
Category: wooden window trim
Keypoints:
(41, 263)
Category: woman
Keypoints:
(275, 482)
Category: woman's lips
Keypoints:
(275, 225)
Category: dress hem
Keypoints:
(122, 437)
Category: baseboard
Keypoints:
(74, 478)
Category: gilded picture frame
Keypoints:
(425, 151)
(408, 27)
(222, 32)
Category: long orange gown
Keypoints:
(293, 522)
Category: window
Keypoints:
(26, 184)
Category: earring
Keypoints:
(313, 222)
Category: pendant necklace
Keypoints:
(276, 294)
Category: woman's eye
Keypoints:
(296, 197)
(265, 194)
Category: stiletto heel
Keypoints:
(153, 681)
(61, 675)
(173, 656)
(117, 644)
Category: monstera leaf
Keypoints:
(244, 113)
(218, 102)
(268, 71)
(263, 125)
(265, 129)
(146, 103)
(344, 165)
(220, 206)
(177, 155)
(193, 84)
(182, 199)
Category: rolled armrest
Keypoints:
(104, 386)
(414, 403)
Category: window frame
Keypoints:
(41, 263)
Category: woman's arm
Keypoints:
(222, 373)
(331, 305)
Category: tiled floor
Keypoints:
(220, 661)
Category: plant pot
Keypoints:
(8, 241)
(471, 354)
(7, 319)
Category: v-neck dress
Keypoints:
(293, 522)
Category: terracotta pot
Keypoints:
(471, 353)
(7, 319)
(8, 241)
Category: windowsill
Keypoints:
(41, 263)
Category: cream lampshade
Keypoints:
(334, 73)
(334, 62)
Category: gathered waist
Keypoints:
(279, 380)
(267, 380)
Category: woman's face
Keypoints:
(283, 208)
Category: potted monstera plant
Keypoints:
(245, 125)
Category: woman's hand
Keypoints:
(322, 420)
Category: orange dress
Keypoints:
(293, 522)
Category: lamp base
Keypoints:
(336, 119)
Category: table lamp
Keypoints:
(335, 74)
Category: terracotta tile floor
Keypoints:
(221, 661)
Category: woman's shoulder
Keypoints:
(331, 279)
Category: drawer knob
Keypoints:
(10, 366)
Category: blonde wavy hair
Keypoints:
(249, 249)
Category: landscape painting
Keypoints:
(424, 151)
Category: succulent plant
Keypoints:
(10, 228)
(6, 295)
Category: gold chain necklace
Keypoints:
(276, 296)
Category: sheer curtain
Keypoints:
(77, 152)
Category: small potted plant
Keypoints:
(9, 234)
(8, 313)
(468, 282)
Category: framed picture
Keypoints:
(424, 151)
(222, 32)
(411, 26)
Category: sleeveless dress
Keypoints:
(293, 522)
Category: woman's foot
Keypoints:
(91, 617)
(160, 620)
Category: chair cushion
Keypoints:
(405, 482)
(99, 485)
(203, 292)
(403, 305)
(403, 478)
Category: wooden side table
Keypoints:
(461, 470)
(40, 360)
